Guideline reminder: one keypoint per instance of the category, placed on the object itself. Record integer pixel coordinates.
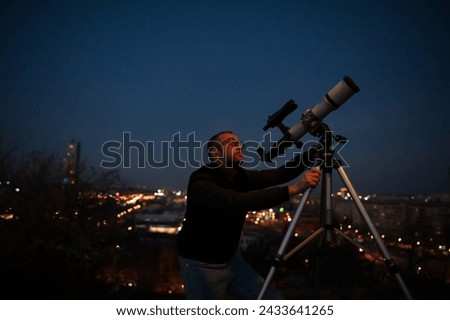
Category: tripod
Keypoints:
(329, 162)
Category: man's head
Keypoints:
(224, 148)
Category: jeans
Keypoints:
(203, 281)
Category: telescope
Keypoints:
(310, 121)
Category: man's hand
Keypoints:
(309, 179)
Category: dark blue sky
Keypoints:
(92, 70)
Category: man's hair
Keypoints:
(213, 143)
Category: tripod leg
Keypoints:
(356, 244)
(388, 259)
(303, 243)
(325, 203)
(279, 256)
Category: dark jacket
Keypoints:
(218, 200)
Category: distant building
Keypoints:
(414, 218)
(71, 163)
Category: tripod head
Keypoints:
(322, 153)
(322, 131)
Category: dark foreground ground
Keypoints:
(147, 268)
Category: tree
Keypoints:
(50, 237)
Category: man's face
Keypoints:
(230, 151)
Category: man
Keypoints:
(219, 195)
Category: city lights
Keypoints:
(410, 229)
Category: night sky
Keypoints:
(94, 70)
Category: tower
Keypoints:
(71, 163)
